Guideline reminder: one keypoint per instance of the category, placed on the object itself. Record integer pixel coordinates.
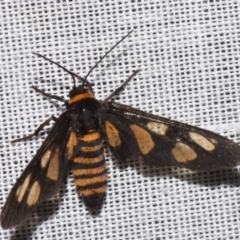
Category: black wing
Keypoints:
(158, 141)
(42, 177)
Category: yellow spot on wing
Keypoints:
(34, 194)
(202, 141)
(158, 128)
(143, 138)
(183, 153)
(112, 134)
(22, 189)
(53, 168)
(71, 144)
(45, 158)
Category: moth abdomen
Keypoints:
(90, 170)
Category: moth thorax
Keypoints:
(85, 116)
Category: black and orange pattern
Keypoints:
(89, 167)
(85, 148)
(77, 137)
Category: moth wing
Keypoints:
(158, 141)
(42, 177)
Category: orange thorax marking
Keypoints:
(80, 97)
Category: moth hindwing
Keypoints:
(77, 137)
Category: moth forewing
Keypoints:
(164, 142)
(42, 177)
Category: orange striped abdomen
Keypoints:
(90, 169)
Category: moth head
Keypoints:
(76, 90)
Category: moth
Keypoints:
(78, 135)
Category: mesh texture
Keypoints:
(188, 53)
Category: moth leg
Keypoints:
(119, 89)
(35, 133)
(48, 95)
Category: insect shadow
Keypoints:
(228, 176)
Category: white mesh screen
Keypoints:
(188, 53)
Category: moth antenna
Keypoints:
(115, 45)
(74, 75)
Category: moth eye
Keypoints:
(183, 153)
(143, 138)
(202, 141)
